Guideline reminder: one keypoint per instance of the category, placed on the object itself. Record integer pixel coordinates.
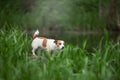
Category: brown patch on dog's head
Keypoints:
(57, 42)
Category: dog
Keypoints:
(49, 45)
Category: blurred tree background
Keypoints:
(61, 14)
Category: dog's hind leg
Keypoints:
(34, 50)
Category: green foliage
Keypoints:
(74, 63)
(70, 14)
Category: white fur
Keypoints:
(37, 32)
(50, 45)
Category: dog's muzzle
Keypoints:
(63, 47)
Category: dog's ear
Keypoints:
(55, 41)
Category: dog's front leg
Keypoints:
(51, 55)
(51, 52)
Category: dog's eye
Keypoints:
(59, 43)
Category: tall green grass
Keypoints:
(74, 63)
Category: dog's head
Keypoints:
(59, 44)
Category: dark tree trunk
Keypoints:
(112, 16)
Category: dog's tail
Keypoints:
(36, 34)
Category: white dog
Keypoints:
(50, 45)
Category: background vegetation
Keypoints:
(87, 55)
(68, 14)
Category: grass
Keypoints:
(74, 63)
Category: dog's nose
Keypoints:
(63, 47)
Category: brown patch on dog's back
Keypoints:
(44, 42)
(43, 38)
